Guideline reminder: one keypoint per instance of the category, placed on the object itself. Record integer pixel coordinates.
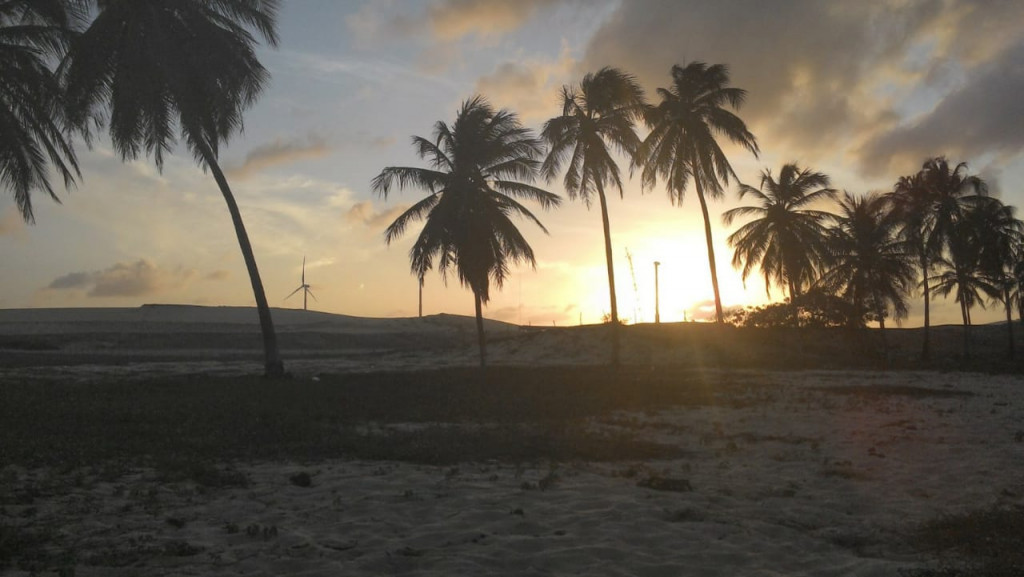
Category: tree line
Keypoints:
(150, 72)
(841, 259)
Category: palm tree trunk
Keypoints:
(967, 329)
(711, 249)
(1011, 350)
(481, 341)
(272, 364)
(885, 336)
(611, 272)
(926, 346)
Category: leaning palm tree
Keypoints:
(479, 167)
(160, 68)
(870, 266)
(33, 127)
(786, 239)
(598, 117)
(682, 144)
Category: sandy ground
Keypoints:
(796, 476)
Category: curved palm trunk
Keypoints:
(611, 272)
(926, 345)
(273, 366)
(481, 341)
(711, 250)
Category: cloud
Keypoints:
(277, 153)
(365, 213)
(824, 77)
(528, 87)
(218, 275)
(141, 278)
(979, 117)
(452, 20)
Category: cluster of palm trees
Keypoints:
(151, 71)
(487, 161)
(937, 229)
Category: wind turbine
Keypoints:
(303, 287)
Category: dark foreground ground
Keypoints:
(197, 431)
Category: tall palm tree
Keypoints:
(871, 266)
(33, 125)
(951, 189)
(913, 204)
(999, 235)
(160, 68)
(787, 240)
(598, 117)
(479, 167)
(682, 143)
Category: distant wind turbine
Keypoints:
(303, 287)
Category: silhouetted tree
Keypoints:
(479, 167)
(1000, 236)
(160, 68)
(787, 240)
(34, 132)
(870, 265)
(598, 118)
(913, 204)
(682, 143)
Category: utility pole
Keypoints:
(657, 305)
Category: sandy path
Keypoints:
(787, 479)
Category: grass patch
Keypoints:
(185, 426)
(981, 543)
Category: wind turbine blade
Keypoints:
(311, 294)
(293, 292)
(303, 269)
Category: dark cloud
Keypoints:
(365, 213)
(75, 280)
(983, 116)
(277, 153)
(141, 278)
(825, 76)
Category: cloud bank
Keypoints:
(137, 279)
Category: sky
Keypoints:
(862, 91)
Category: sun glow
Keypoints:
(684, 282)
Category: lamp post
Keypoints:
(657, 304)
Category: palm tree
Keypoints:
(787, 240)
(951, 189)
(682, 145)
(163, 67)
(871, 267)
(479, 167)
(1000, 236)
(598, 116)
(913, 204)
(33, 126)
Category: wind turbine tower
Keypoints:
(304, 288)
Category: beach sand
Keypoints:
(791, 473)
